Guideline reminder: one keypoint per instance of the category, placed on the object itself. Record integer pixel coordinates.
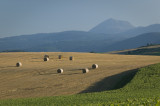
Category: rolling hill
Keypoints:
(119, 80)
(69, 41)
(145, 50)
(37, 78)
(140, 30)
(134, 42)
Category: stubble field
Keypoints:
(37, 78)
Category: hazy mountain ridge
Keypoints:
(140, 30)
(112, 26)
(63, 41)
(81, 41)
(134, 42)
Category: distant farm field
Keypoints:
(37, 78)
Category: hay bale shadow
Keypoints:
(35, 58)
(11, 66)
(70, 73)
(46, 73)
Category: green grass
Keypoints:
(144, 51)
(143, 89)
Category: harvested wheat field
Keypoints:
(39, 78)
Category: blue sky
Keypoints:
(19, 17)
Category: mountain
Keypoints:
(68, 41)
(120, 35)
(134, 42)
(123, 29)
(112, 26)
(140, 30)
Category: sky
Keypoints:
(23, 17)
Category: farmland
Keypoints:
(146, 50)
(37, 78)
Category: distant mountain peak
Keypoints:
(112, 26)
(111, 20)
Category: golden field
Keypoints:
(37, 78)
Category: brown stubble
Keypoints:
(37, 78)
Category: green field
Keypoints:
(146, 50)
(139, 87)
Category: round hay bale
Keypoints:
(71, 58)
(46, 56)
(19, 64)
(46, 59)
(60, 57)
(60, 70)
(85, 70)
(94, 66)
